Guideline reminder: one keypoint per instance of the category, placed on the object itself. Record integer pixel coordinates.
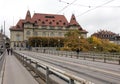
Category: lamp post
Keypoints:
(95, 48)
(79, 42)
(59, 43)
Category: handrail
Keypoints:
(2, 67)
(67, 76)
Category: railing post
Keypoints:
(94, 57)
(84, 57)
(119, 60)
(71, 81)
(30, 61)
(36, 65)
(104, 58)
(47, 75)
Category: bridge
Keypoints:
(41, 66)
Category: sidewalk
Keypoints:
(15, 73)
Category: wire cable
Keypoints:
(95, 7)
(66, 6)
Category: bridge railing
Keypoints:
(102, 57)
(47, 75)
(2, 57)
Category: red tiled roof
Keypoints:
(73, 21)
(28, 18)
(40, 19)
(19, 25)
(49, 20)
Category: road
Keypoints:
(99, 73)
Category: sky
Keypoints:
(92, 15)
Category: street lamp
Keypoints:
(95, 48)
(58, 43)
(79, 41)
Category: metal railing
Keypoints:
(49, 71)
(93, 56)
(2, 66)
(102, 57)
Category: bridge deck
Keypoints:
(15, 73)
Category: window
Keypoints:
(35, 33)
(60, 20)
(28, 33)
(44, 34)
(17, 37)
(35, 22)
(59, 33)
(50, 22)
(46, 20)
(43, 22)
(57, 23)
(51, 34)
(64, 23)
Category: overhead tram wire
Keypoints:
(64, 2)
(66, 6)
(95, 7)
(88, 6)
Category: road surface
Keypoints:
(99, 73)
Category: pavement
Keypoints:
(15, 72)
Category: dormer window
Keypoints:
(60, 20)
(57, 23)
(43, 22)
(18, 26)
(50, 22)
(73, 18)
(46, 20)
(64, 23)
(35, 22)
(53, 20)
(39, 19)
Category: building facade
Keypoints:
(42, 25)
(112, 37)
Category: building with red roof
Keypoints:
(111, 36)
(42, 25)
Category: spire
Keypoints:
(73, 21)
(28, 16)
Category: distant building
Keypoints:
(104, 34)
(42, 25)
(4, 42)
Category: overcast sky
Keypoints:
(92, 15)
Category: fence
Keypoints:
(2, 57)
(102, 57)
(46, 75)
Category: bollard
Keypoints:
(47, 75)
(71, 81)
